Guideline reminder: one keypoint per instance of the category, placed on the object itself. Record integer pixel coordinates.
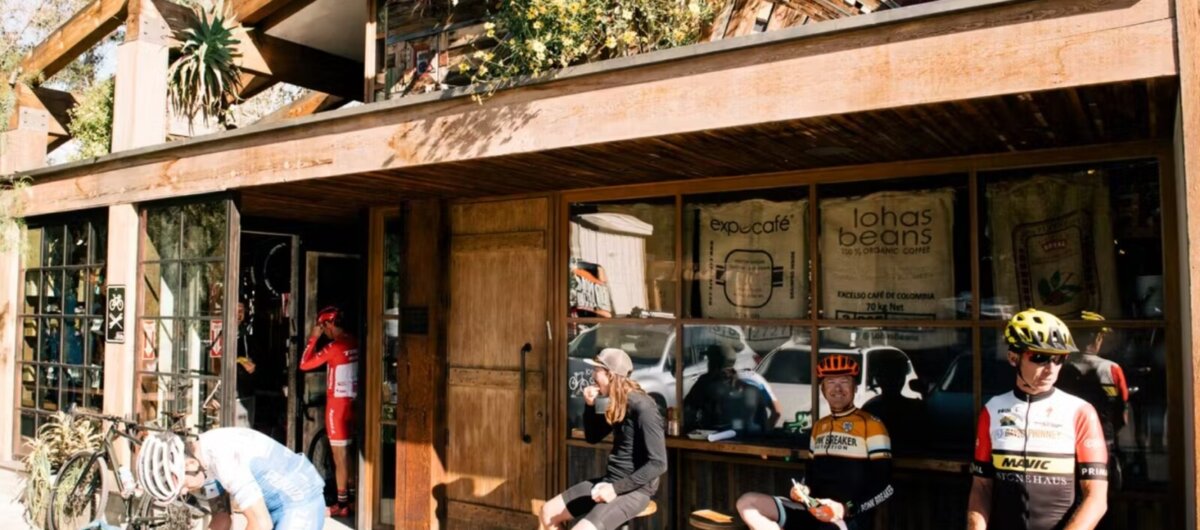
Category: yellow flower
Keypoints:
(483, 69)
(629, 37)
(478, 55)
(537, 46)
(626, 14)
(537, 25)
(463, 67)
(694, 7)
(491, 33)
(567, 42)
(489, 25)
(610, 42)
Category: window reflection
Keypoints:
(651, 348)
(622, 260)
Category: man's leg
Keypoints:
(759, 511)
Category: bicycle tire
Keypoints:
(320, 453)
(150, 515)
(85, 490)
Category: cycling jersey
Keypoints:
(1036, 448)
(1100, 382)
(851, 464)
(251, 466)
(342, 357)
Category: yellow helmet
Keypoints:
(1097, 317)
(1038, 331)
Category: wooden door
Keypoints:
(495, 469)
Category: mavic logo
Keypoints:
(1025, 463)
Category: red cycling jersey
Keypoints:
(342, 357)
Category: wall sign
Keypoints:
(114, 314)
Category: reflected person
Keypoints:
(906, 418)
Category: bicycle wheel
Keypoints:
(321, 456)
(148, 513)
(78, 495)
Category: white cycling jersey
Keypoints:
(252, 466)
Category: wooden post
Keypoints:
(23, 144)
(421, 377)
(1187, 179)
(10, 303)
(140, 99)
(121, 268)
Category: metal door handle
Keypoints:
(525, 437)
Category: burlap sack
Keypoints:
(889, 255)
(751, 259)
(1052, 244)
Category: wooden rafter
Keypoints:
(288, 62)
(251, 12)
(78, 34)
(306, 105)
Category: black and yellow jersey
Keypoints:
(851, 460)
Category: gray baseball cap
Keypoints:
(614, 360)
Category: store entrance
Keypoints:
(266, 333)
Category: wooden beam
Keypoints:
(78, 34)
(1009, 49)
(282, 14)
(306, 105)
(288, 62)
(1187, 181)
(251, 12)
(59, 105)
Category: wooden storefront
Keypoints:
(464, 212)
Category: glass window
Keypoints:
(896, 250)
(182, 312)
(753, 380)
(1097, 246)
(919, 381)
(58, 327)
(747, 254)
(622, 259)
(650, 347)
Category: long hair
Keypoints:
(619, 388)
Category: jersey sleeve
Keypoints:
(981, 465)
(1091, 452)
(1118, 377)
(314, 358)
(879, 444)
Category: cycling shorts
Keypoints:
(308, 515)
(339, 421)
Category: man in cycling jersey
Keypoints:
(851, 466)
(341, 388)
(235, 468)
(1036, 445)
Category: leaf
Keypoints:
(1044, 289)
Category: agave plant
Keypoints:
(205, 76)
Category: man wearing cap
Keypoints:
(638, 457)
(341, 387)
(730, 395)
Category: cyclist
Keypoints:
(851, 466)
(1035, 445)
(272, 486)
(341, 388)
(638, 457)
(1100, 382)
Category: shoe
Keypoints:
(340, 510)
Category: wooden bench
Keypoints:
(713, 520)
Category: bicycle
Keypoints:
(318, 450)
(83, 492)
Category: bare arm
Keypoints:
(979, 508)
(1095, 503)
(221, 519)
(257, 516)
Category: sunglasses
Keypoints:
(1043, 358)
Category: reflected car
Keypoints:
(951, 400)
(789, 372)
(651, 348)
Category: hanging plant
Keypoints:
(205, 76)
(535, 36)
